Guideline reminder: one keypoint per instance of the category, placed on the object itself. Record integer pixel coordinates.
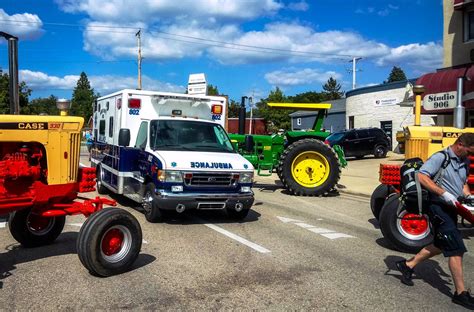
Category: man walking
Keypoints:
(443, 215)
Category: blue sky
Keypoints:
(245, 47)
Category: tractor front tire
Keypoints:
(309, 167)
(32, 230)
(109, 242)
(407, 232)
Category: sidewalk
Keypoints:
(360, 177)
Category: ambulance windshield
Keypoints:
(187, 135)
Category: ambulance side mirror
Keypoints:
(124, 137)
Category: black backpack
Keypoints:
(413, 196)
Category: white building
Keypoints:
(378, 106)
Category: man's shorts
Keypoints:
(447, 237)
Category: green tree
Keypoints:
(24, 91)
(83, 98)
(211, 90)
(397, 74)
(234, 109)
(332, 90)
(41, 106)
(307, 97)
(275, 118)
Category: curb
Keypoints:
(345, 191)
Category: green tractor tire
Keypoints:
(308, 167)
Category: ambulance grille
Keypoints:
(74, 153)
(210, 179)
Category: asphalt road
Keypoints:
(290, 253)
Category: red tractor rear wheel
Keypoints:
(109, 242)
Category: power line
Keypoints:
(205, 41)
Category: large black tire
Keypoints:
(378, 198)
(406, 232)
(152, 212)
(380, 151)
(101, 189)
(325, 176)
(31, 230)
(109, 242)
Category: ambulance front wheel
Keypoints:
(101, 189)
(152, 212)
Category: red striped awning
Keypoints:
(443, 85)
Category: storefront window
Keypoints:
(469, 26)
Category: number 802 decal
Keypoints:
(134, 111)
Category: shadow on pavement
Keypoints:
(207, 216)
(375, 223)
(64, 245)
(428, 271)
(192, 216)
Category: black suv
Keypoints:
(361, 142)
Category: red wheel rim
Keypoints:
(112, 242)
(37, 223)
(414, 224)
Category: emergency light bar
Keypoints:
(134, 103)
(216, 109)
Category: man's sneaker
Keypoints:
(406, 273)
(464, 299)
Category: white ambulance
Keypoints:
(169, 151)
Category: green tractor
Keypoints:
(304, 163)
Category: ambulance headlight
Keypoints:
(246, 177)
(170, 176)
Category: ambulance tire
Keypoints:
(390, 225)
(31, 230)
(378, 198)
(101, 189)
(153, 213)
(109, 242)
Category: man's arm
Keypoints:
(431, 186)
(427, 183)
(466, 190)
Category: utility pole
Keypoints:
(139, 42)
(354, 70)
(251, 114)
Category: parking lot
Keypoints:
(289, 253)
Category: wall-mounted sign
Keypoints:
(387, 101)
(436, 101)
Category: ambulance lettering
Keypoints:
(212, 165)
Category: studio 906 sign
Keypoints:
(437, 101)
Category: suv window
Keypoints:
(363, 134)
(351, 135)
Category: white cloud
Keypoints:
(419, 56)
(298, 6)
(193, 40)
(23, 26)
(106, 83)
(170, 10)
(294, 77)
